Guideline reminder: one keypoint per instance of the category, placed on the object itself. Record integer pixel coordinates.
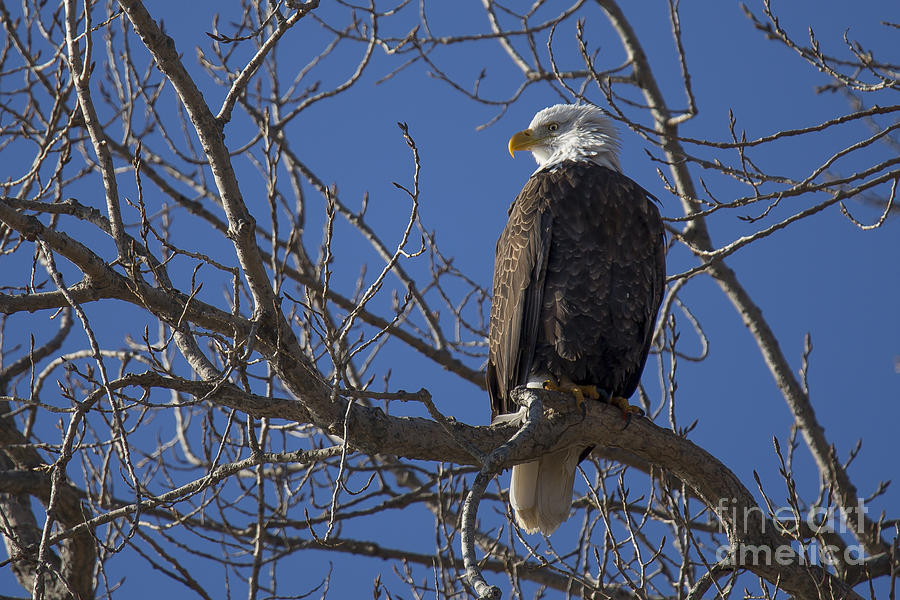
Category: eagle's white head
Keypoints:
(569, 132)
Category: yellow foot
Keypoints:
(627, 409)
(579, 391)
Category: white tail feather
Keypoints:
(540, 491)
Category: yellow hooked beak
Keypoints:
(524, 140)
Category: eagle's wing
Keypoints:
(644, 250)
(519, 269)
(657, 280)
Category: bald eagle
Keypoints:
(578, 278)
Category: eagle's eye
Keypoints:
(552, 126)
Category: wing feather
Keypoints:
(519, 269)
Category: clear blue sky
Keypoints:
(822, 275)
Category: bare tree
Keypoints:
(224, 399)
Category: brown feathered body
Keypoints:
(578, 279)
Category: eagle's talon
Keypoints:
(590, 391)
(579, 397)
(580, 392)
(628, 410)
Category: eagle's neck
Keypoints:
(610, 161)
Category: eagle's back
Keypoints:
(578, 279)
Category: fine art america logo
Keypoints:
(826, 523)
